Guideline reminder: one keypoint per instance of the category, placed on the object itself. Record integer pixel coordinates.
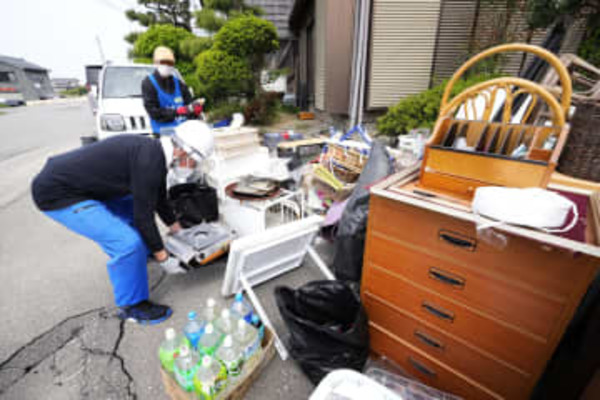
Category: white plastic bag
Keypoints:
(532, 207)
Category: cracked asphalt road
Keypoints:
(60, 338)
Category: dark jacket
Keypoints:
(112, 168)
(150, 96)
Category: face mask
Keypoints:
(183, 174)
(165, 70)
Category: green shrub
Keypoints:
(263, 109)
(247, 36)
(221, 75)
(421, 110)
(224, 110)
(190, 48)
(75, 92)
(160, 35)
(589, 49)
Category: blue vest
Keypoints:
(167, 100)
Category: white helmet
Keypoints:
(196, 138)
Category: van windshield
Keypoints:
(122, 82)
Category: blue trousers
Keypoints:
(109, 224)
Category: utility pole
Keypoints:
(100, 49)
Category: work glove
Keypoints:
(172, 266)
(183, 111)
(198, 106)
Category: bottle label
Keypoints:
(193, 338)
(234, 367)
(167, 359)
(252, 349)
(185, 378)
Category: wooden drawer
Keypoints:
(522, 350)
(499, 298)
(482, 368)
(550, 270)
(425, 369)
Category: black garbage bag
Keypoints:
(194, 203)
(352, 230)
(328, 327)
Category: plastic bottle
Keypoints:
(246, 337)
(210, 379)
(193, 329)
(169, 349)
(225, 323)
(241, 309)
(231, 357)
(257, 323)
(211, 310)
(185, 368)
(210, 340)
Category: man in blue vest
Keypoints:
(167, 99)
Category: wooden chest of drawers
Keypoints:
(476, 319)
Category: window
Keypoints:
(6, 76)
(122, 82)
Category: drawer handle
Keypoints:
(447, 278)
(458, 240)
(428, 340)
(421, 368)
(438, 312)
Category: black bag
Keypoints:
(194, 203)
(328, 327)
(352, 229)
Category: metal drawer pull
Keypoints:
(421, 368)
(447, 278)
(428, 340)
(458, 240)
(438, 312)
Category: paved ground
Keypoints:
(60, 338)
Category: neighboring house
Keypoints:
(398, 47)
(22, 80)
(60, 84)
(278, 12)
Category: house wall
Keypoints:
(320, 34)
(339, 47)
(402, 43)
(10, 90)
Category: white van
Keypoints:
(120, 107)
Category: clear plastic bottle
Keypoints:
(257, 323)
(169, 349)
(210, 379)
(210, 340)
(246, 337)
(185, 368)
(231, 357)
(226, 322)
(193, 329)
(211, 310)
(241, 309)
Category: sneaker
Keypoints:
(145, 313)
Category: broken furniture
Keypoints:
(463, 154)
(459, 313)
(475, 313)
(256, 258)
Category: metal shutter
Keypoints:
(403, 34)
(454, 35)
(320, 52)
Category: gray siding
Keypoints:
(403, 37)
(453, 38)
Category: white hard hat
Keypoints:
(196, 138)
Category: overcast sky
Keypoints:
(61, 34)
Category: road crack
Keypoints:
(82, 362)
